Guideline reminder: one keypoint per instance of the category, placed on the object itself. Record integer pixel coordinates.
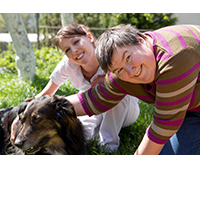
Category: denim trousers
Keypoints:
(187, 140)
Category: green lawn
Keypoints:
(13, 92)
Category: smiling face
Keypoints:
(134, 63)
(79, 49)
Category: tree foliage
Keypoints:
(146, 20)
(49, 20)
(106, 20)
(150, 21)
(140, 20)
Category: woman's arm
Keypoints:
(148, 147)
(74, 100)
(49, 89)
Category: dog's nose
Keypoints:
(19, 143)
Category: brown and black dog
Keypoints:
(47, 125)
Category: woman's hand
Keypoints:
(98, 80)
(13, 130)
(29, 99)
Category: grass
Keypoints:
(13, 92)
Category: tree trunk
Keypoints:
(67, 18)
(25, 57)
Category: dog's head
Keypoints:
(49, 125)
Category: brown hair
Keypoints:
(70, 31)
(117, 36)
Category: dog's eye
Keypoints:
(21, 118)
(36, 119)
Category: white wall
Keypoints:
(188, 18)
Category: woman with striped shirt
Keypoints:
(160, 68)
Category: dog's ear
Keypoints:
(72, 130)
(63, 107)
(62, 110)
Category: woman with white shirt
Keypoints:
(80, 66)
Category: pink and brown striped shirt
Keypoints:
(175, 90)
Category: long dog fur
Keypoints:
(47, 125)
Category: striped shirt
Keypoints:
(175, 90)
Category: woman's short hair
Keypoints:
(117, 36)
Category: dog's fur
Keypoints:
(47, 125)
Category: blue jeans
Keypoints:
(187, 140)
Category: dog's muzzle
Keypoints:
(21, 144)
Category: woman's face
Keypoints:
(79, 49)
(134, 63)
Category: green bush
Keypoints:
(46, 59)
(7, 60)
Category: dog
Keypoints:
(47, 125)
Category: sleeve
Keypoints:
(102, 97)
(175, 92)
(60, 75)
